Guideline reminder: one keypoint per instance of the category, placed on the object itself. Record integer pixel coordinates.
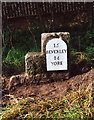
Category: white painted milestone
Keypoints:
(56, 55)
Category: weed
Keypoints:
(76, 104)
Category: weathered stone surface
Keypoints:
(17, 80)
(35, 63)
(45, 37)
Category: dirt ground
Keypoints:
(47, 90)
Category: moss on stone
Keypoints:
(36, 64)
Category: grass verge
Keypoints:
(76, 104)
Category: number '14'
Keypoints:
(56, 57)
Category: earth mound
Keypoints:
(48, 90)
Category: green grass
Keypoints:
(77, 104)
(14, 61)
(16, 44)
(15, 47)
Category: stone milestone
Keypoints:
(53, 61)
(56, 55)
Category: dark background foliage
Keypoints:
(22, 34)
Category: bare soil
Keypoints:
(47, 90)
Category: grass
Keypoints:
(18, 43)
(76, 104)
